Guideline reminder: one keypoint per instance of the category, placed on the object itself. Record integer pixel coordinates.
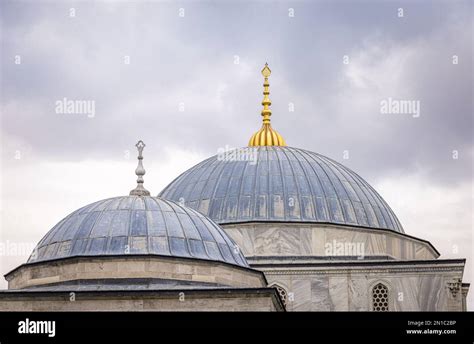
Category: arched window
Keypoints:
(282, 292)
(380, 298)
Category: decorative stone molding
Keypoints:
(380, 269)
(281, 291)
(454, 286)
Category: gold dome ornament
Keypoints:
(266, 136)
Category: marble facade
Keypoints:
(412, 285)
(306, 239)
(294, 258)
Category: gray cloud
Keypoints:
(190, 60)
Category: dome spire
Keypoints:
(140, 172)
(266, 136)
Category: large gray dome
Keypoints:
(280, 184)
(137, 225)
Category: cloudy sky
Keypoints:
(185, 78)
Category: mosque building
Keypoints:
(266, 227)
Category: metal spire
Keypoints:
(266, 136)
(140, 172)
(266, 102)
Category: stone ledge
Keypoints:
(179, 269)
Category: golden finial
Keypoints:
(266, 136)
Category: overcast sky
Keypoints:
(193, 85)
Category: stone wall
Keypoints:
(203, 300)
(297, 239)
(170, 268)
(412, 286)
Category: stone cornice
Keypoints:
(455, 266)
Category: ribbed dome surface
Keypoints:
(137, 225)
(280, 184)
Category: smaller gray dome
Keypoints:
(140, 225)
